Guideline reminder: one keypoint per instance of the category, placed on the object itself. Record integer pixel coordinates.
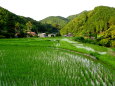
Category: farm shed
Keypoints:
(42, 35)
(51, 35)
(31, 33)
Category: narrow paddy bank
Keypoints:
(101, 53)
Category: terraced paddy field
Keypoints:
(40, 62)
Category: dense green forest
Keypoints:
(98, 24)
(56, 21)
(71, 17)
(12, 25)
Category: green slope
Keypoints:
(71, 17)
(10, 24)
(56, 21)
(98, 23)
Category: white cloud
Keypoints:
(39, 9)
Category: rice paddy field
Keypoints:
(39, 62)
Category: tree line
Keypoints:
(12, 25)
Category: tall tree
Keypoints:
(28, 26)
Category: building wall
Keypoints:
(42, 35)
(51, 35)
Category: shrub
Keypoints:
(80, 39)
(90, 41)
(105, 42)
(112, 43)
(1, 36)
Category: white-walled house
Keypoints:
(42, 35)
(51, 35)
(46, 35)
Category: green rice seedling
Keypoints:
(37, 62)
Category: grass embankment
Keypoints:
(104, 54)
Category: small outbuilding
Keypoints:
(31, 34)
(51, 35)
(42, 35)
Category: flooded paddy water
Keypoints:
(45, 66)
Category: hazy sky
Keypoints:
(39, 9)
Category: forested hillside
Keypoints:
(71, 17)
(98, 23)
(12, 25)
(56, 21)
